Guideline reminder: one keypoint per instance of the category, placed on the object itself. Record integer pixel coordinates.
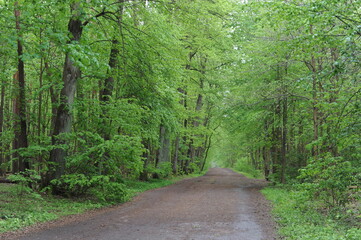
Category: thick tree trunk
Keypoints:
(106, 92)
(164, 150)
(71, 74)
(20, 126)
(176, 155)
(196, 122)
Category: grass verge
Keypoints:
(20, 208)
(299, 220)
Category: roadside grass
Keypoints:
(299, 219)
(21, 207)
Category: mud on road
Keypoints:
(219, 205)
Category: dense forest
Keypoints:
(126, 88)
(103, 90)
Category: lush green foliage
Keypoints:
(103, 187)
(21, 208)
(299, 219)
(293, 108)
(139, 89)
(331, 180)
(140, 98)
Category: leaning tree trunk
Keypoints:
(71, 73)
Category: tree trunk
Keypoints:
(176, 155)
(107, 89)
(276, 141)
(71, 73)
(164, 151)
(266, 162)
(21, 134)
(284, 140)
(208, 144)
(40, 158)
(53, 97)
(147, 158)
(16, 113)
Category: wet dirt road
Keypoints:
(220, 205)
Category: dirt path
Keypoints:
(220, 205)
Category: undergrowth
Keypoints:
(19, 208)
(304, 220)
(244, 167)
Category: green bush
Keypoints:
(71, 185)
(110, 192)
(27, 181)
(163, 170)
(93, 155)
(103, 188)
(328, 179)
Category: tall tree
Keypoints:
(71, 74)
(21, 140)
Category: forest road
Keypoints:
(219, 205)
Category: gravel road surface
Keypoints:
(219, 205)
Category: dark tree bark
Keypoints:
(107, 88)
(20, 122)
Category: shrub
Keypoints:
(328, 179)
(103, 188)
(110, 192)
(27, 181)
